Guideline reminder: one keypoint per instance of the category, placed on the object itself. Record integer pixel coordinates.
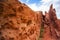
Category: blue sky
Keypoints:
(30, 1)
(43, 5)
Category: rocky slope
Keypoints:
(19, 22)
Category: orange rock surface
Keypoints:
(18, 21)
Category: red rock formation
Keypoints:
(18, 21)
(50, 25)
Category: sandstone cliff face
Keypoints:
(18, 21)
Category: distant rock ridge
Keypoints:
(51, 26)
(19, 22)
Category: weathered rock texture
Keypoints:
(19, 22)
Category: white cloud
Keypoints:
(33, 6)
(45, 1)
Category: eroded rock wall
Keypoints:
(18, 21)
